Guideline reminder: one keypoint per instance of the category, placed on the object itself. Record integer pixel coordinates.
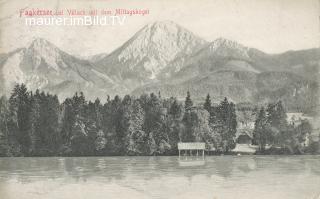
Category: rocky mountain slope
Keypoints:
(166, 57)
(141, 59)
(226, 68)
(43, 66)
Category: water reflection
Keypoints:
(166, 177)
(152, 167)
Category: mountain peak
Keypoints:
(37, 42)
(163, 24)
(42, 50)
(162, 28)
(153, 47)
(226, 47)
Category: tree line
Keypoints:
(37, 124)
(273, 130)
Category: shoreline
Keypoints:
(229, 155)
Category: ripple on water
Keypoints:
(285, 177)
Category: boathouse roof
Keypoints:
(191, 146)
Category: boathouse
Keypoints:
(244, 137)
(191, 147)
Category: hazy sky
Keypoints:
(269, 25)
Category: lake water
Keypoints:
(216, 177)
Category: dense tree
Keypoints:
(80, 143)
(73, 134)
(20, 108)
(153, 121)
(100, 143)
(271, 127)
(50, 123)
(36, 124)
(303, 131)
(261, 130)
(174, 135)
(68, 120)
(277, 119)
(4, 131)
(188, 102)
(200, 124)
(187, 134)
(122, 128)
(108, 113)
(96, 136)
(136, 140)
(175, 109)
(207, 104)
(227, 123)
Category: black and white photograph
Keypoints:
(159, 99)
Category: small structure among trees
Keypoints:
(191, 147)
(244, 136)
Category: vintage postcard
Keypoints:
(159, 99)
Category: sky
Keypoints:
(273, 26)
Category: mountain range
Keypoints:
(166, 57)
